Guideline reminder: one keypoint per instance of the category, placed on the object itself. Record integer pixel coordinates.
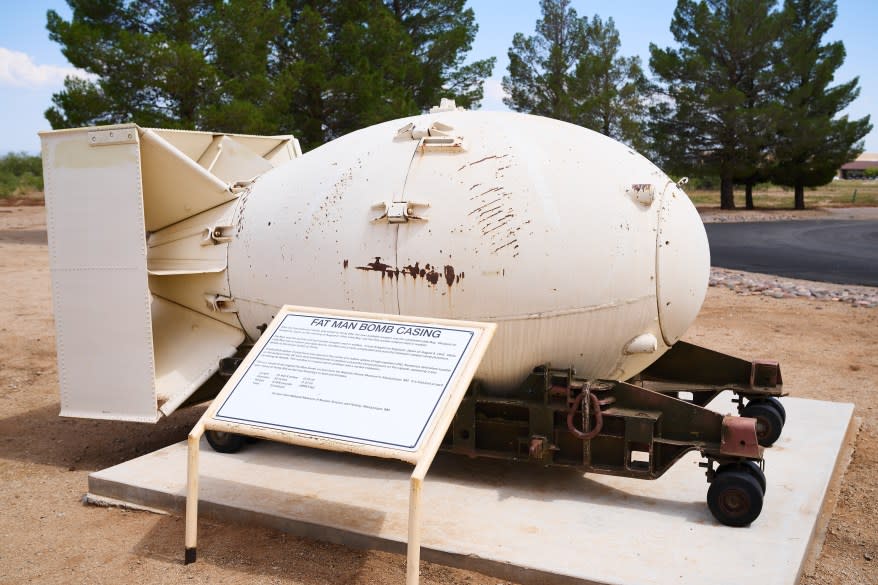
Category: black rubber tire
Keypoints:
(750, 467)
(225, 442)
(770, 400)
(769, 421)
(779, 406)
(735, 498)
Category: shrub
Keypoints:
(20, 173)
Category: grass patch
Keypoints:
(21, 175)
(841, 193)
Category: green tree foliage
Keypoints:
(317, 69)
(343, 66)
(541, 67)
(441, 33)
(714, 117)
(174, 63)
(611, 91)
(20, 173)
(812, 142)
(571, 70)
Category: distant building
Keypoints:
(857, 168)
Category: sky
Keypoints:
(32, 67)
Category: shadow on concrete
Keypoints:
(509, 478)
(558, 484)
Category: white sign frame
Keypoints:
(232, 411)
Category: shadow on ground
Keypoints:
(41, 436)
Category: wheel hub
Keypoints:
(734, 502)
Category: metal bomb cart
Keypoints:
(637, 429)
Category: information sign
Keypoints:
(366, 381)
(373, 384)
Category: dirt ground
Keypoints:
(827, 351)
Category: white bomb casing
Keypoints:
(585, 253)
(572, 242)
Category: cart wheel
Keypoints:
(750, 467)
(779, 406)
(769, 421)
(735, 498)
(225, 442)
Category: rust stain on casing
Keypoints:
(428, 272)
(481, 160)
(449, 275)
(379, 266)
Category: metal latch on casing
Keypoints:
(398, 211)
(220, 303)
(642, 193)
(217, 234)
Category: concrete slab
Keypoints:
(514, 521)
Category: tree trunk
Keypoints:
(726, 193)
(748, 194)
(800, 196)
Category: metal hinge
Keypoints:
(444, 144)
(642, 193)
(220, 303)
(765, 374)
(436, 129)
(218, 234)
(398, 211)
(111, 137)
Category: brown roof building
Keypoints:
(857, 169)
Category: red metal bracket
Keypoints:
(765, 373)
(739, 438)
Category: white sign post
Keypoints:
(372, 384)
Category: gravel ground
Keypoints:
(751, 283)
(716, 215)
(827, 351)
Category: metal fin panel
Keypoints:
(99, 289)
(189, 347)
(264, 145)
(174, 186)
(187, 246)
(192, 291)
(191, 143)
(231, 161)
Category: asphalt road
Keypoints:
(839, 251)
(844, 252)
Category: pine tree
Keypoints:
(571, 70)
(301, 73)
(371, 68)
(812, 142)
(712, 120)
(541, 67)
(242, 51)
(610, 90)
(168, 63)
(441, 33)
(317, 68)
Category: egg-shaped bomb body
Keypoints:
(581, 250)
